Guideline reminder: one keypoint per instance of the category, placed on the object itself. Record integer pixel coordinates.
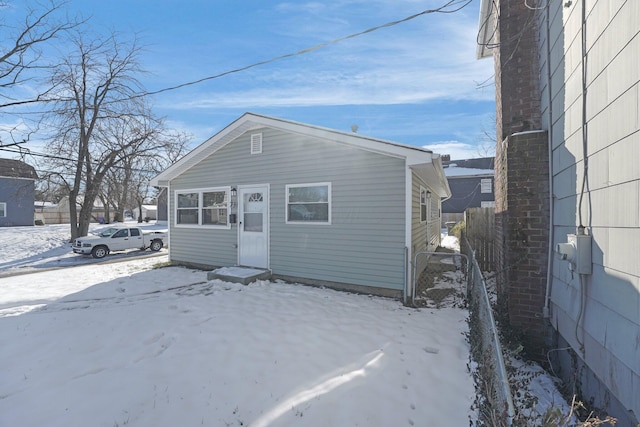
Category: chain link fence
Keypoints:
(497, 409)
(449, 279)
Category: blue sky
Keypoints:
(415, 83)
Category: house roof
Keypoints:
(423, 162)
(456, 172)
(467, 168)
(10, 168)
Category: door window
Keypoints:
(253, 212)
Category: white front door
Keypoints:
(253, 226)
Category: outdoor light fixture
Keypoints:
(428, 194)
(234, 192)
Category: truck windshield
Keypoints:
(108, 232)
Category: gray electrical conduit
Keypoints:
(547, 296)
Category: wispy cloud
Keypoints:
(431, 58)
(459, 150)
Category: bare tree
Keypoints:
(487, 140)
(21, 56)
(98, 120)
(126, 186)
(171, 147)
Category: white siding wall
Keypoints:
(609, 327)
(364, 245)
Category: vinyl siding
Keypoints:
(363, 245)
(610, 322)
(425, 236)
(18, 194)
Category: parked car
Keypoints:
(119, 239)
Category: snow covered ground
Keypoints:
(129, 344)
(26, 249)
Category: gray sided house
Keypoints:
(310, 204)
(17, 187)
(471, 183)
(568, 176)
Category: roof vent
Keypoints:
(256, 143)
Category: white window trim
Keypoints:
(486, 186)
(4, 210)
(312, 184)
(200, 192)
(426, 205)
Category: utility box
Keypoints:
(577, 251)
(583, 252)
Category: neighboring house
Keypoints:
(162, 207)
(471, 183)
(149, 212)
(59, 213)
(567, 162)
(17, 188)
(311, 204)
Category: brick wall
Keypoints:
(527, 234)
(519, 70)
(521, 181)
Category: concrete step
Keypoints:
(244, 275)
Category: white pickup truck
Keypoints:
(118, 239)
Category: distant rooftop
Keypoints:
(468, 167)
(10, 168)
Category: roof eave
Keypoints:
(486, 29)
(249, 121)
(432, 173)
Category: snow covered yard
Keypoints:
(26, 249)
(126, 344)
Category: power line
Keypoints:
(27, 152)
(442, 9)
(451, 6)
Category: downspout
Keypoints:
(169, 206)
(408, 182)
(545, 311)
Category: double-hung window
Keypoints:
(214, 207)
(3, 209)
(309, 203)
(187, 208)
(203, 207)
(423, 204)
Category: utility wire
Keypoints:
(441, 9)
(27, 152)
(451, 6)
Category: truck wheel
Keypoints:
(156, 245)
(99, 252)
